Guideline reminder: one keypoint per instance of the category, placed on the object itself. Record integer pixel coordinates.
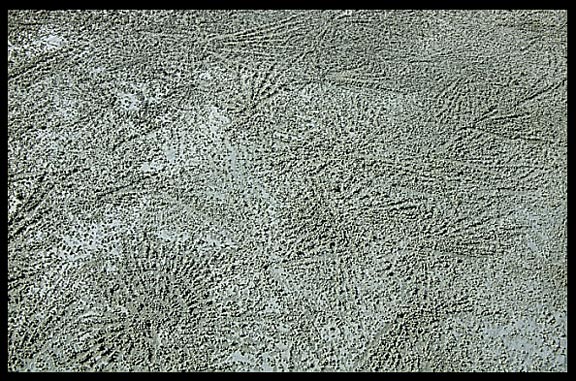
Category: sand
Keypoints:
(287, 191)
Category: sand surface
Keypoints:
(287, 190)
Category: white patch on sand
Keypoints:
(205, 77)
(151, 167)
(171, 154)
(129, 101)
(173, 235)
(53, 42)
(97, 70)
(238, 357)
(218, 117)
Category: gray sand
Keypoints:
(287, 191)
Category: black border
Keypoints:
(226, 5)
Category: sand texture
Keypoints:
(287, 190)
